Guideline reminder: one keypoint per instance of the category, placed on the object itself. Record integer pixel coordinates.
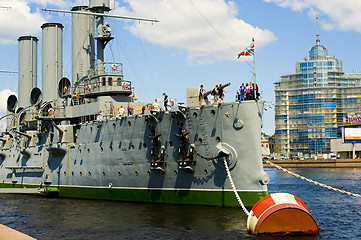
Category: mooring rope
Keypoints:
(312, 181)
(234, 188)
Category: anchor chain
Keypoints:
(234, 188)
(206, 158)
(312, 181)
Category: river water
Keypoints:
(337, 215)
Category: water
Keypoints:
(337, 215)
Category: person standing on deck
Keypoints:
(242, 91)
(165, 101)
(201, 92)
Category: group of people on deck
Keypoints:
(217, 94)
(245, 92)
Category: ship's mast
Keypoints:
(103, 31)
(98, 8)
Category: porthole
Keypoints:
(111, 148)
(79, 150)
(113, 125)
(129, 123)
(81, 174)
(195, 114)
(218, 139)
(205, 171)
(103, 173)
(57, 173)
(40, 154)
(72, 173)
(64, 173)
(119, 173)
(88, 150)
(148, 173)
(89, 173)
(132, 147)
(101, 149)
(136, 173)
(200, 140)
(170, 143)
(213, 112)
(91, 128)
(175, 172)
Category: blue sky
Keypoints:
(196, 41)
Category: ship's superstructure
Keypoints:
(75, 138)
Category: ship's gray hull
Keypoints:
(118, 158)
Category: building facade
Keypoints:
(311, 103)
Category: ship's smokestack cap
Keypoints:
(99, 4)
(28, 38)
(52, 25)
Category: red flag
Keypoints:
(249, 51)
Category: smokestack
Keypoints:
(83, 29)
(52, 59)
(28, 46)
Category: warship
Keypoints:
(76, 138)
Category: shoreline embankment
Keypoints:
(318, 163)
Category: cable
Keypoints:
(220, 35)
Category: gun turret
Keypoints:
(210, 91)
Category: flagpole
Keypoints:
(254, 72)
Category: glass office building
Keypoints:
(311, 103)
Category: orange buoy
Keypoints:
(281, 213)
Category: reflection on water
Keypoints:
(337, 215)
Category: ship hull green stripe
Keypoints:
(197, 197)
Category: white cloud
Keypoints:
(183, 28)
(26, 17)
(342, 14)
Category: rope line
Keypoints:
(229, 177)
(312, 181)
(234, 188)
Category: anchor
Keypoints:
(158, 161)
(186, 154)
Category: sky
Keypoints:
(195, 42)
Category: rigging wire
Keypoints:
(147, 61)
(220, 35)
(130, 62)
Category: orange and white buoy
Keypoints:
(281, 213)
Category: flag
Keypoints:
(249, 51)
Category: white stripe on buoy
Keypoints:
(281, 213)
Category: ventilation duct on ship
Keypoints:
(83, 30)
(64, 87)
(27, 68)
(52, 59)
(20, 115)
(35, 96)
(11, 106)
(12, 103)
